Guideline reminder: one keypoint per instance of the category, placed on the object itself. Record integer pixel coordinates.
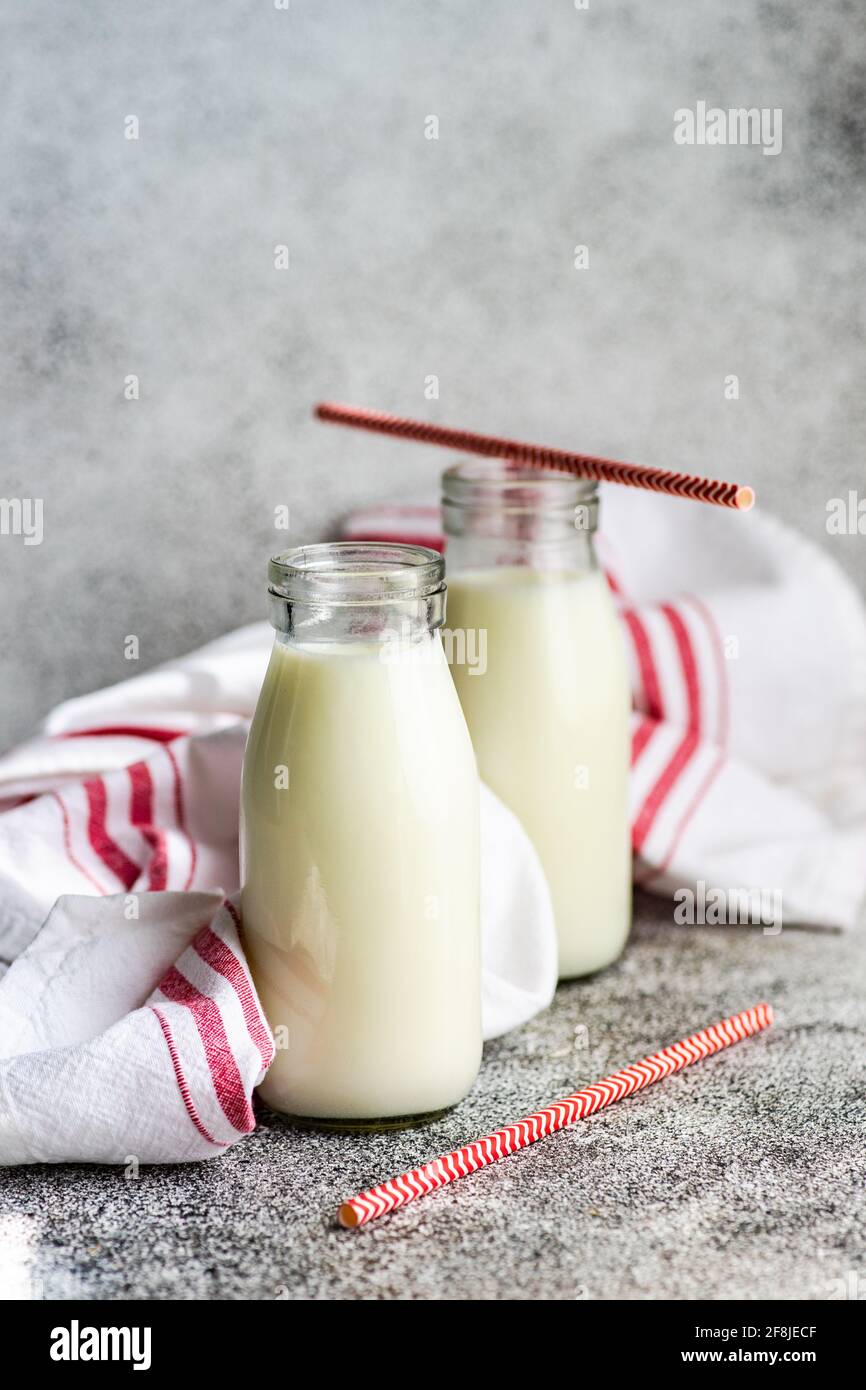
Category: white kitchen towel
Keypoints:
(130, 1033)
(127, 1037)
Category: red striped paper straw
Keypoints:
(740, 498)
(396, 1192)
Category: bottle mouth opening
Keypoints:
(355, 572)
(499, 497)
(514, 486)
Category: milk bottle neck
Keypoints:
(500, 514)
(355, 592)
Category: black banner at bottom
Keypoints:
(83, 1339)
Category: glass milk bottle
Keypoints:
(360, 843)
(549, 717)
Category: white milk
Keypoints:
(549, 720)
(361, 880)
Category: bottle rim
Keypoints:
(355, 572)
(505, 499)
(514, 486)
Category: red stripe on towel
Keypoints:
(685, 749)
(400, 537)
(67, 845)
(224, 1071)
(641, 737)
(646, 664)
(179, 813)
(181, 1080)
(125, 731)
(141, 815)
(109, 851)
(721, 736)
(214, 951)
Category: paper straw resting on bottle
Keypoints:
(740, 498)
(396, 1192)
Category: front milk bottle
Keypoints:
(360, 843)
(548, 709)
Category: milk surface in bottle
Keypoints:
(360, 858)
(549, 716)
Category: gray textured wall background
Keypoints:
(408, 257)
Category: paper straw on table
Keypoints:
(740, 498)
(396, 1192)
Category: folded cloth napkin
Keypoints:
(129, 1026)
(130, 1032)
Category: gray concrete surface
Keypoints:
(408, 257)
(740, 1178)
